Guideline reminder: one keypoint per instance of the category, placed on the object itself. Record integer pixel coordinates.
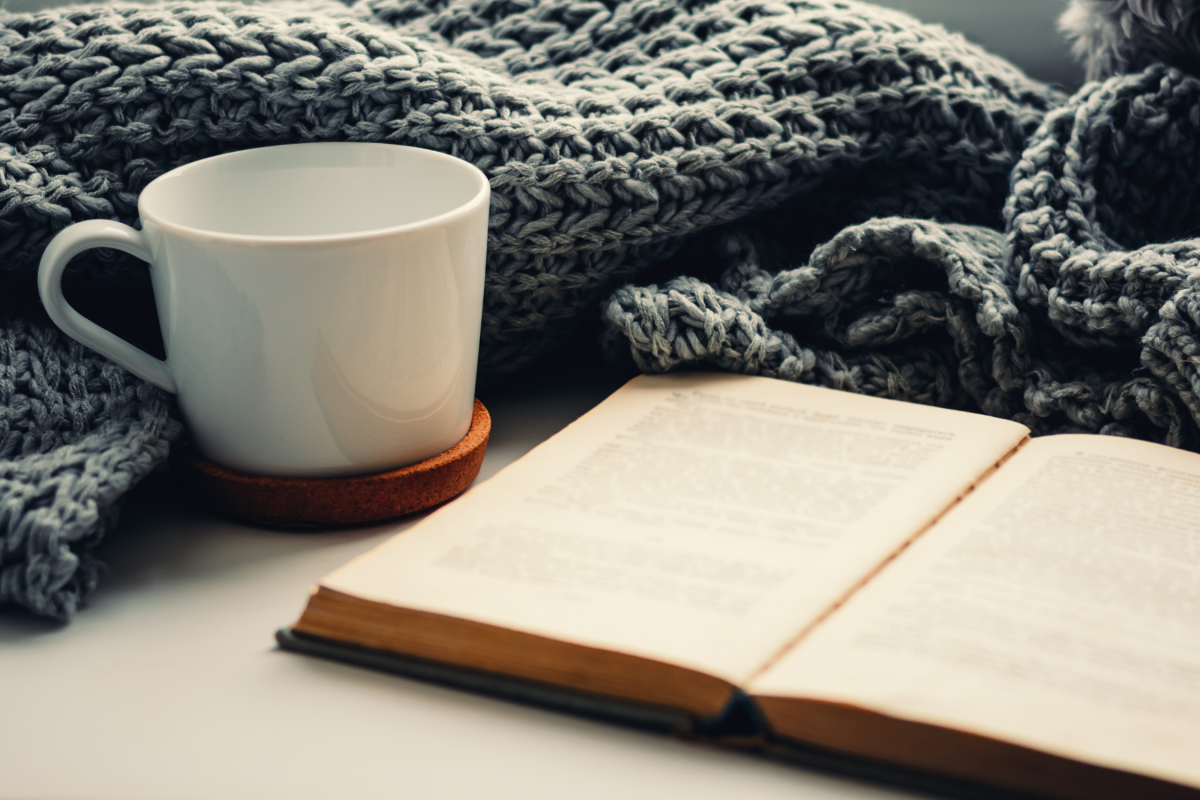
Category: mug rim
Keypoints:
(481, 195)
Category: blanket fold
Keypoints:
(1081, 319)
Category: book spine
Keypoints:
(597, 707)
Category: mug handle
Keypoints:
(69, 243)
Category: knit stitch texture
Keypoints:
(76, 433)
(1082, 318)
(820, 190)
(609, 131)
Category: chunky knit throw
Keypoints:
(706, 145)
(1084, 316)
(611, 132)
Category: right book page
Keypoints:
(1057, 608)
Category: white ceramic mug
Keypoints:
(320, 303)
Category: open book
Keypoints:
(909, 585)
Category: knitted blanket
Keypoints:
(705, 145)
(1082, 316)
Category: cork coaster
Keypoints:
(323, 502)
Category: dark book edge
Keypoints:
(647, 717)
(739, 726)
(888, 774)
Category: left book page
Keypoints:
(669, 543)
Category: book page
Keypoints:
(697, 519)
(1057, 607)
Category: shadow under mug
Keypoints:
(320, 303)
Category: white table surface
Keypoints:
(170, 685)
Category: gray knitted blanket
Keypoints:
(707, 146)
(1082, 315)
